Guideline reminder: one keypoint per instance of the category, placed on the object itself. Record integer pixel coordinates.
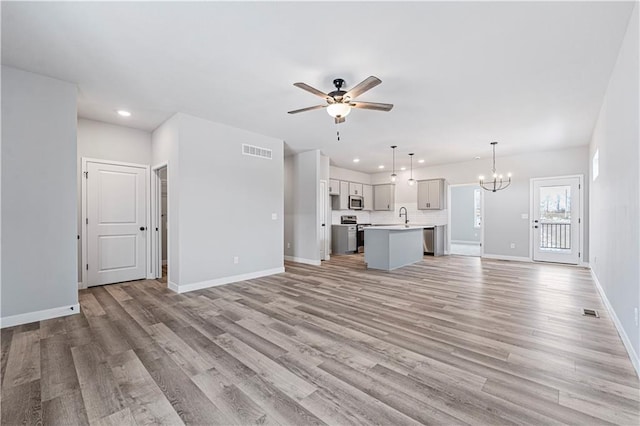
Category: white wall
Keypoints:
(105, 141)
(615, 233)
(503, 223)
(39, 259)
(302, 177)
(220, 203)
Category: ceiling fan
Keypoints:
(340, 102)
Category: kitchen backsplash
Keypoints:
(419, 217)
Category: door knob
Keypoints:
(536, 226)
(142, 228)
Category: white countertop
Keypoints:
(394, 228)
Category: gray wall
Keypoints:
(502, 210)
(39, 223)
(615, 234)
(164, 150)
(105, 141)
(302, 175)
(220, 201)
(463, 214)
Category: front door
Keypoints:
(116, 223)
(556, 220)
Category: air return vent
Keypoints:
(590, 313)
(256, 151)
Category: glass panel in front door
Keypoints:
(555, 218)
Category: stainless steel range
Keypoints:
(353, 220)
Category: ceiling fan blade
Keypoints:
(366, 84)
(295, 111)
(340, 120)
(372, 105)
(313, 90)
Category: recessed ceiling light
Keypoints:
(420, 161)
(124, 113)
(381, 166)
(476, 158)
(356, 160)
(403, 168)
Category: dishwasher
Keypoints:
(433, 240)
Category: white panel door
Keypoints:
(556, 220)
(116, 223)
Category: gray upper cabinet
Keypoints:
(341, 202)
(384, 197)
(355, 188)
(334, 187)
(367, 193)
(431, 194)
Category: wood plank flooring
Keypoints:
(450, 340)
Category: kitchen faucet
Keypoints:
(406, 219)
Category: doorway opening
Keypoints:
(161, 223)
(466, 220)
(556, 214)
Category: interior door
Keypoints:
(116, 223)
(556, 220)
(322, 214)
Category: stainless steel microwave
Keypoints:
(356, 202)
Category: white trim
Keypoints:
(503, 257)
(81, 285)
(83, 229)
(470, 243)
(45, 314)
(156, 243)
(173, 286)
(623, 335)
(303, 260)
(225, 280)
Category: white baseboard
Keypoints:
(623, 335)
(45, 314)
(470, 243)
(225, 280)
(81, 285)
(303, 260)
(502, 257)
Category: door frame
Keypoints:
(83, 229)
(156, 221)
(323, 195)
(448, 245)
(581, 261)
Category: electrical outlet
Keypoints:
(635, 316)
(513, 245)
(288, 245)
(236, 259)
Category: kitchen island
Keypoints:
(391, 247)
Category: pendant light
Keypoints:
(393, 164)
(411, 181)
(498, 183)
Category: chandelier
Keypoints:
(497, 183)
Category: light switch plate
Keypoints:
(274, 216)
(524, 215)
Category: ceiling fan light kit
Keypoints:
(498, 183)
(339, 102)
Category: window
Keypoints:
(477, 208)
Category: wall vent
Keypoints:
(256, 151)
(590, 313)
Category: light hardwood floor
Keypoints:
(450, 340)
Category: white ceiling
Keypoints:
(461, 74)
